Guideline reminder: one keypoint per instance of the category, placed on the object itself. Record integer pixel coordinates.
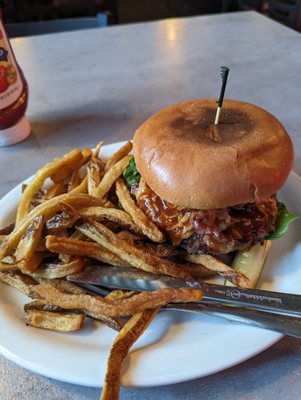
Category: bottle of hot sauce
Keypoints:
(14, 125)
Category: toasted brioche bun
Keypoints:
(190, 162)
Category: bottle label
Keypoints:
(11, 85)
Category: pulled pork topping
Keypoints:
(218, 231)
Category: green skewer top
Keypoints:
(224, 75)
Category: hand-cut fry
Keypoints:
(111, 176)
(110, 214)
(29, 265)
(119, 307)
(122, 152)
(54, 190)
(9, 260)
(120, 294)
(55, 271)
(81, 188)
(74, 180)
(147, 226)
(71, 288)
(45, 209)
(97, 149)
(129, 253)
(128, 335)
(37, 182)
(41, 246)
(83, 249)
(159, 250)
(67, 168)
(95, 173)
(212, 263)
(30, 239)
(64, 218)
(9, 263)
(129, 236)
(114, 323)
(2, 238)
(8, 267)
(7, 230)
(22, 283)
(198, 270)
(52, 317)
(62, 285)
(104, 213)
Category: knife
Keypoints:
(283, 324)
(133, 279)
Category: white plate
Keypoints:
(176, 347)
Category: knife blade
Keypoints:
(137, 280)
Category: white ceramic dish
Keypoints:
(176, 347)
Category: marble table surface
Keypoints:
(101, 84)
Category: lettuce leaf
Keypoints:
(284, 218)
(131, 174)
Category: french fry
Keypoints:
(55, 190)
(7, 230)
(19, 281)
(83, 249)
(62, 285)
(147, 226)
(46, 316)
(45, 209)
(9, 263)
(74, 180)
(55, 271)
(128, 335)
(66, 169)
(29, 265)
(111, 176)
(198, 270)
(114, 323)
(158, 250)
(115, 308)
(120, 153)
(129, 253)
(69, 159)
(105, 213)
(95, 173)
(30, 239)
(82, 187)
(8, 267)
(213, 264)
(129, 236)
(110, 214)
(41, 246)
(97, 149)
(64, 218)
(9, 260)
(120, 294)
(71, 288)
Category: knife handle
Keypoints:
(286, 325)
(289, 304)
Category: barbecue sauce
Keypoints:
(14, 126)
(169, 218)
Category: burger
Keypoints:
(211, 188)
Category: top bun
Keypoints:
(192, 163)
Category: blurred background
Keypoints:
(29, 17)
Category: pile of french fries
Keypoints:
(78, 211)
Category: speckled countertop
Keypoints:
(102, 83)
